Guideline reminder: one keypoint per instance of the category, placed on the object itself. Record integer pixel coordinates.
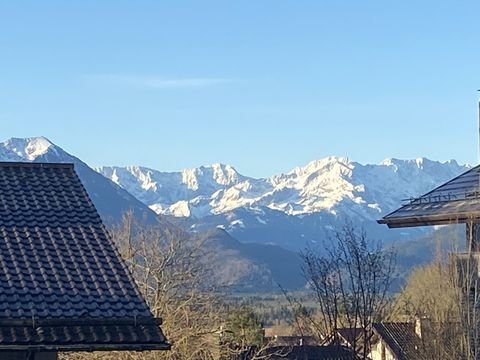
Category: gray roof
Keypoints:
(401, 339)
(63, 285)
(456, 201)
(307, 352)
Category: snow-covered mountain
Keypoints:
(174, 193)
(331, 185)
(286, 209)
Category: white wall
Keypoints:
(376, 353)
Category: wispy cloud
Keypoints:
(155, 82)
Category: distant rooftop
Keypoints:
(456, 201)
(401, 339)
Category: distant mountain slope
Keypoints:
(421, 251)
(287, 209)
(253, 267)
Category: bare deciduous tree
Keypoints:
(172, 272)
(431, 295)
(350, 280)
(467, 291)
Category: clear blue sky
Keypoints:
(262, 85)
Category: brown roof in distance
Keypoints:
(456, 201)
(350, 335)
(63, 285)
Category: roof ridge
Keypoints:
(36, 164)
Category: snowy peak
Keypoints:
(28, 149)
(326, 164)
(419, 163)
(225, 174)
(219, 174)
(183, 193)
(315, 187)
(37, 146)
(317, 170)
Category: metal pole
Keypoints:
(478, 154)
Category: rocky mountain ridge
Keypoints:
(287, 209)
(321, 185)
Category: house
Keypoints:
(348, 337)
(389, 340)
(419, 339)
(454, 202)
(297, 352)
(281, 340)
(310, 352)
(291, 348)
(63, 285)
(397, 341)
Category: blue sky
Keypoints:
(262, 85)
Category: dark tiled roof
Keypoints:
(57, 263)
(456, 201)
(401, 339)
(329, 352)
(78, 336)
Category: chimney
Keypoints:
(421, 323)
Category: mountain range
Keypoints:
(292, 209)
(255, 226)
